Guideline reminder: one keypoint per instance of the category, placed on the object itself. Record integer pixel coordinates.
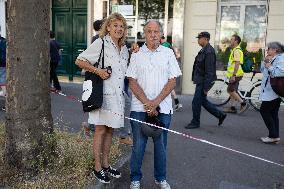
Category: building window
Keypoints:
(105, 9)
(137, 12)
(248, 19)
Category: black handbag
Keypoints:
(92, 97)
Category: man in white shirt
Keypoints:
(152, 76)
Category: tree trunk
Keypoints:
(29, 127)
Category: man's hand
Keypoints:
(152, 113)
(232, 79)
(205, 92)
(150, 106)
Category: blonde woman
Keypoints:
(113, 33)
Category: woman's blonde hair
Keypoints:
(108, 21)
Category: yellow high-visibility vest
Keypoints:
(231, 63)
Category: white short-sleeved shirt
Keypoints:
(113, 99)
(152, 70)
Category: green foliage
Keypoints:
(45, 152)
(243, 45)
(223, 57)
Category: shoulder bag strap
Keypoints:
(99, 59)
(103, 58)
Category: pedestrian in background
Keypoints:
(152, 76)
(54, 49)
(235, 73)
(3, 47)
(273, 66)
(112, 34)
(177, 104)
(125, 132)
(97, 27)
(204, 75)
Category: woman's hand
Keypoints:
(268, 65)
(102, 73)
(267, 61)
(134, 48)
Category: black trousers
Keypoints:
(269, 112)
(53, 76)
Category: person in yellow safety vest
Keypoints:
(235, 72)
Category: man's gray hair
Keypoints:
(276, 45)
(157, 22)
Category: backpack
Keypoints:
(247, 64)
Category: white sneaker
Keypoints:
(243, 108)
(270, 140)
(135, 185)
(163, 184)
(177, 107)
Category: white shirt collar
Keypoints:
(145, 48)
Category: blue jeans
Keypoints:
(139, 145)
(200, 99)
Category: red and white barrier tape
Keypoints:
(182, 134)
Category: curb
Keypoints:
(121, 164)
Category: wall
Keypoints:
(50, 13)
(90, 18)
(275, 30)
(95, 12)
(2, 18)
(200, 15)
